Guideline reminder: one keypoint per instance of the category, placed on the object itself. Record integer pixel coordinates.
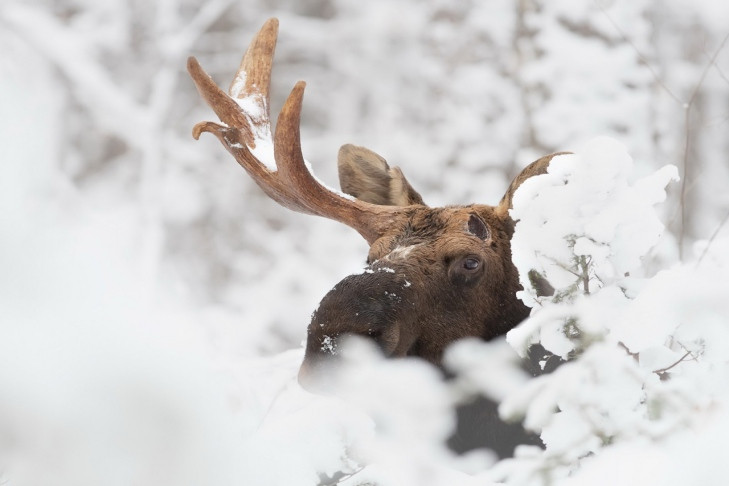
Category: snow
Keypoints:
(253, 106)
(328, 345)
(237, 87)
(601, 206)
(640, 363)
(324, 184)
(95, 377)
(154, 302)
(263, 150)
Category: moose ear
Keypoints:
(366, 176)
(533, 169)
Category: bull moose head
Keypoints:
(433, 275)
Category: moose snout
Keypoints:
(366, 306)
(375, 305)
(306, 377)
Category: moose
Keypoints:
(433, 275)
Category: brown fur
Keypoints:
(415, 298)
(366, 176)
(535, 168)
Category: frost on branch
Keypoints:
(584, 226)
(646, 356)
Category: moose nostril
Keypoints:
(373, 333)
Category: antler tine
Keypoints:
(236, 137)
(370, 220)
(287, 180)
(248, 117)
(227, 110)
(254, 74)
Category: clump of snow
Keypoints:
(325, 186)
(253, 106)
(645, 356)
(263, 150)
(374, 267)
(100, 385)
(490, 367)
(328, 345)
(238, 85)
(371, 428)
(409, 422)
(601, 206)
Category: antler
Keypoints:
(276, 163)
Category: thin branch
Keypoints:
(721, 73)
(106, 101)
(712, 238)
(564, 267)
(633, 355)
(585, 276)
(709, 65)
(206, 16)
(638, 52)
(338, 477)
(272, 404)
(684, 177)
(662, 371)
(715, 123)
(713, 63)
(687, 120)
(687, 106)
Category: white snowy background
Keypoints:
(153, 301)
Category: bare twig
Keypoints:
(709, 65)
(715, 123)
(633, 355)
(711, 239)
(643, 59)
(338, 477)
(686, 105)
(687, 142)
(719, 70)
(661, 372)
(584, 263)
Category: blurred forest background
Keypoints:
(153, 300)
(97, 111)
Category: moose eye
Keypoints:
(471, 263)
(466, 270)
